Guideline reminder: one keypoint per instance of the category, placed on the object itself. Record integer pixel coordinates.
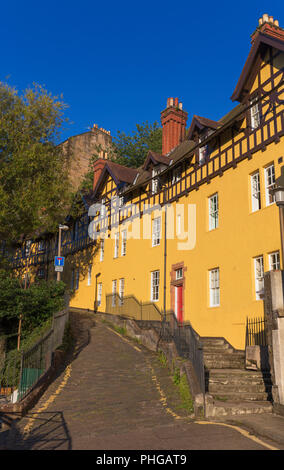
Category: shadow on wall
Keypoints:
(76, 264)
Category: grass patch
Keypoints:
(181, 383)
(162, 358)
(120, 330)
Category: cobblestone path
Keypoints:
(115, 394)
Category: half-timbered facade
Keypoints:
(193, 230)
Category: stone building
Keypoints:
(80, 149)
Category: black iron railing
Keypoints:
(190, 347)
(256, 332)
(21, 370)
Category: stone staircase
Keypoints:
(235, 390)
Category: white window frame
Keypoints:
(116, 245)
(28, 247)
(41, 245)
(89, 282)
(254, 113)
(214, 287)
(274, 261)
(155, 180)
(176, 175)
(99, 293)
(259, 277)
(269, 175)
(123, 242)
(202, 152)
(255, 191)
(114, 287)
(41, 273)
(102, 249)
(156, 231)
(213, 205)
(121, 290)
(179, 273)
(103, 208)
(155, 285)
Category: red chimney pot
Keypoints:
(173, 120)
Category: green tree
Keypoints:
(128, 150)
(132, 150)
(35, 191)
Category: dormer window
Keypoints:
(155, 180)
(103, 208)
(204, 150)
(176, 175)
(254, 113)
(202, 153)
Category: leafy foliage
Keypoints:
(128, 150)
(34, 183)
(36, 304)
(132, 149)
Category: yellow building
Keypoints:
(194, 229)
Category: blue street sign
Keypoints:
(59, 261)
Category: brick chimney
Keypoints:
(98, 169)
(173, 120)
(269, 26)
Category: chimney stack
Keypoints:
(173, 120)
(269, 26)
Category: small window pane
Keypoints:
(269, 184)
(274, 261)
(214, 287)
(213, 212)
(255, 192)
(259, 279)
(155, 282)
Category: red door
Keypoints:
(178, 303)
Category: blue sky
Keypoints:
(117, 62)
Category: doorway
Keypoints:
(178, 302)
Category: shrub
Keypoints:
(36, 304)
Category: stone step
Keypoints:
(219, 353)
(240, 396)
(218, 348)
(237, 376)
(231, 408)
(224, 364)
(241, 373)
(223, 357)
(218, 387)
(207, 341)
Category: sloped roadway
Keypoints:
(114, 394)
